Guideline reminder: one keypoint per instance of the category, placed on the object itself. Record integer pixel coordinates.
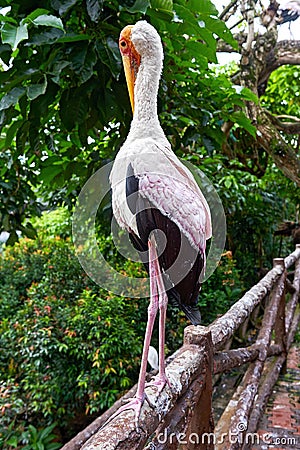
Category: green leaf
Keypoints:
(35, 14)
(35, 90)
(49, 21)
(108, 52)
(162, 9)
(62, 6)
(243, 121)
(14, 35)
(94, 8)
(198, 49)
(73, 108)
(83, 58)
(74, 38)
(140, 6)
(218, 27)
(11, 98)
(165, 5)
(11, 132)
(247, 94)
(13, 441)
(48, 173)
(13, 238)
(7, 19)
(203, 7)
(29, 231)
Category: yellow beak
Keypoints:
(130, 77)
(131, 60)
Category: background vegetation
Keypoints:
(67, 347)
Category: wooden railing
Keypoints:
(182, 417)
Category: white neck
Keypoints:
(145, 120)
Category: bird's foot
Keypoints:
(135, 404)
(159, 382)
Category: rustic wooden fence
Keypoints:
(182, 417)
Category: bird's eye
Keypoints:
(123, 44)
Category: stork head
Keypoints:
(139, 42)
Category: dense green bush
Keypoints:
(66, 346)
(69, 348)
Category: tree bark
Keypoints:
(261, 54)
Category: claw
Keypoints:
(159, 383)
(136, 405)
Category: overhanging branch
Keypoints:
(288, 127)
(285, 52)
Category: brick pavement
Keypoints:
(279, 428)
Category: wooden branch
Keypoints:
(227, 360)
(285, 52)
(251, 380)
(179, 408)
(272, 370)
(292, 258)
(227, 9)
(224, 327)
(270, 139)
(192, 414)
(224, 361)
(287, 127)
(292, 304)
(286, 116)
(121, 433)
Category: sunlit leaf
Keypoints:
(139, 6)
(13, 35)
(35, 14)
(11, 98)
(35, 90)
(48, 21)
(94, 8)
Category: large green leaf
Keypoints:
(204, 6)
(48, 21)
(162, 10)
(11, 98)
(140, 6)
(73, 108)
(13, 35)
(109, 54)
(74, 38)
(63, 6)
(34, 90)
(247, 94)
(220, 29)
(48, 173)
(94, 9)
(4, 19)
(166, 5)
(35, 14)
(83, 59)
(11, 132)
(243, 121)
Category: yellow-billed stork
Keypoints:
(157, 200)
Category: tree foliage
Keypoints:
(277, 135)
(64, 107)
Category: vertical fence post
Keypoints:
(280, 325)
(200, 424)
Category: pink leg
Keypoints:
(137, 402)
(161, 379)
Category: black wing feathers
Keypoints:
(175, 252)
